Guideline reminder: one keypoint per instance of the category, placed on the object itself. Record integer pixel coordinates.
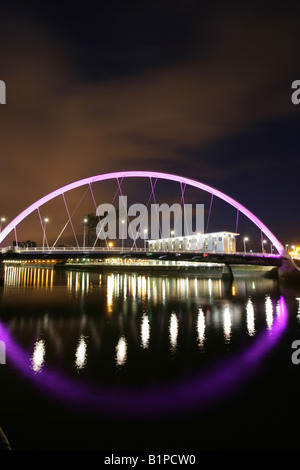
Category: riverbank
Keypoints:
(202, 270)
(212, 271)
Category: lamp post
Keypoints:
(245, 240)
(3, 219)
(263, 242)
(85, 221)
(44, 237)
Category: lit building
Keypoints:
(216, 242)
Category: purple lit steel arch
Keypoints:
(143, 174)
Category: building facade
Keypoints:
(216, 242)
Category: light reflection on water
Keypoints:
(201, 327)
(145, 331)
(250, 317)
(269, 312)
(81, 353)
(227, 324)
(132, 322)
(38, 356)
(173, 328)
(121, 351)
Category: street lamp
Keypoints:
(44, 237)
(263, 242)
(3, 219)
(245, 240)
(85, 221)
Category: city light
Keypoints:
(85, 221)
(296, 252)
(245, 240)
(3, 219)
(46, 220)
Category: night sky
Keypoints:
(200, 89)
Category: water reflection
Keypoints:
(227, 324)
(145, 331)
(191, 393)
(298, 311)
(121, 351)
(269, 312)
(205, 314)
(38, 356)
(110, 292)
(250, 318)
(159, 289)
(201, 327)
(173, 330)
(17, 276)
(81, 353)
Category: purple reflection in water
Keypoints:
(194, 393)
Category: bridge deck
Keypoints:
(62, 253)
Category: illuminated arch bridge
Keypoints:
(287, 265)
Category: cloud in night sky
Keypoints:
(61, 123)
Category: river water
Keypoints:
(126, 360)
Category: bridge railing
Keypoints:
(122, 250)
(72, 249)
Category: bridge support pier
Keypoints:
(227, 274)
(288, 270)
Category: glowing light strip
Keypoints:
(143, 174)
